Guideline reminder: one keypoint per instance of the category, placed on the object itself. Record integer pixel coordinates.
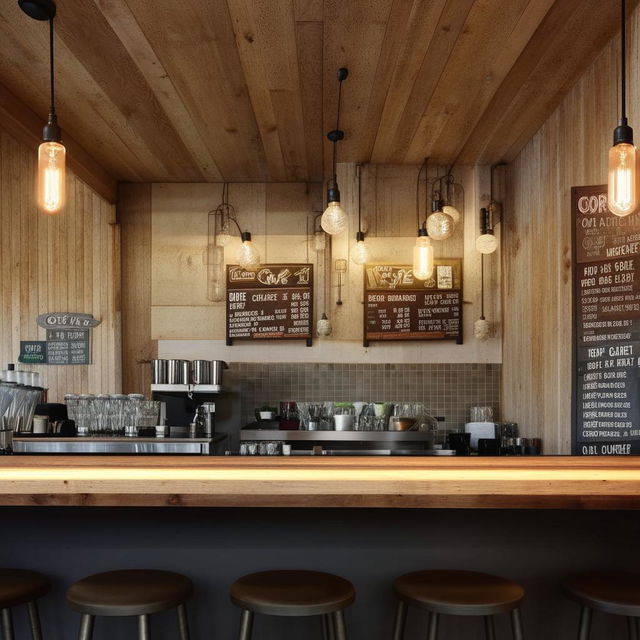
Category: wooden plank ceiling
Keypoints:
(244, 90)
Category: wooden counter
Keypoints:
(510, 483)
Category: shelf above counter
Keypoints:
(334, 436)
(186, 388)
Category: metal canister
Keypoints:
(177, 372)
(159, 371)
(201, 372)
(217, 369)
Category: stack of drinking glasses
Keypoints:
(17, 406)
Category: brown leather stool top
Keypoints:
(292, 593)
(129, 592)
(462, 593)
(19, 587)
(616, 592)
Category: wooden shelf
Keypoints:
(510, 483)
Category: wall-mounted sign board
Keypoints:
(68, 340)
(273, 303)
(606, 336)
(398, 306)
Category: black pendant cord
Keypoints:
(52, 107)
(423, 167)
(623, 61)
(482, 286)
(359, 174)
(337, 134)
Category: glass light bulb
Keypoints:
(248, 257)
(223, 238)
(323, 327)
(440, 226)
(423, 258)
(486, 243)
(360, 254)
(51, 177)
(622, 179)
(481, 329)
(450, 210)
(334, 219)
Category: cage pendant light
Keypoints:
(622, 197)
(334, 219)
(423, 249)
(51, 153)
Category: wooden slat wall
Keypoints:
(569, 150)
(69, 262)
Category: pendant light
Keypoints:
(481, 328)
(334, 219)
(360, 253)
(423, 249)
(622, 156)
(51, 153)
(487, 242)
(448, 208)
(440, 225)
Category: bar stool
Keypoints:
(296, 594)
(130, 593)
(614, 592)
(457, 593)
(19, 587)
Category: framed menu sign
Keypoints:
(273, 303)
(398, 306)
(606, 311)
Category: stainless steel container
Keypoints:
(177, 372)
(201, 372)
(217, 369)
(159, 371)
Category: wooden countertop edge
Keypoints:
(434, 483)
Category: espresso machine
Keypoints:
(189, 390)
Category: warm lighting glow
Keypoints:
(51, 177)
(334, 219)
(323, 327)
(440, 226)
(360, 253)
(453, 212)
(622, 179)
(223, 238)
(481, 330)
(486, 243)
(248, 257)
(423, 258)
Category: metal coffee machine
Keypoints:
(189, 389)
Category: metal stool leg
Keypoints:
(516, 625)
(86, 627)
(433, 626)
(401, 620)
(144, 633)
(183, 622)
(246, 625)
(7, 624)
(34, 619)
(633, 630)
(489, 628)
(585, 624)
(325, 628)
(341, 631)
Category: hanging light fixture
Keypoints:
(51, 153)
(440, 225)
(334, 219)
(481, 328)
(487, 242)
(360, 254)
(248, 256)
(423, 249)
(448, 208)
(622, 197)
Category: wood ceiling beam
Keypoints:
(25, 125)
(119, 16)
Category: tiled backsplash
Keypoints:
(447, 390)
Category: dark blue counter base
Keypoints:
(369, 547)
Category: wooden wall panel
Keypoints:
(134, 216)
(69, 262)
(569, 150)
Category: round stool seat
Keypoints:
(462, 593)
(129, 592)
(18, 587)
(615, 592)
(292, 593)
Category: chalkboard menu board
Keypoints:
(398, 306)
(68, 346)
(273, 303)
(606, 350)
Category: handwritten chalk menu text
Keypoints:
(606, 250)
(273, 303)
(401, 307)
